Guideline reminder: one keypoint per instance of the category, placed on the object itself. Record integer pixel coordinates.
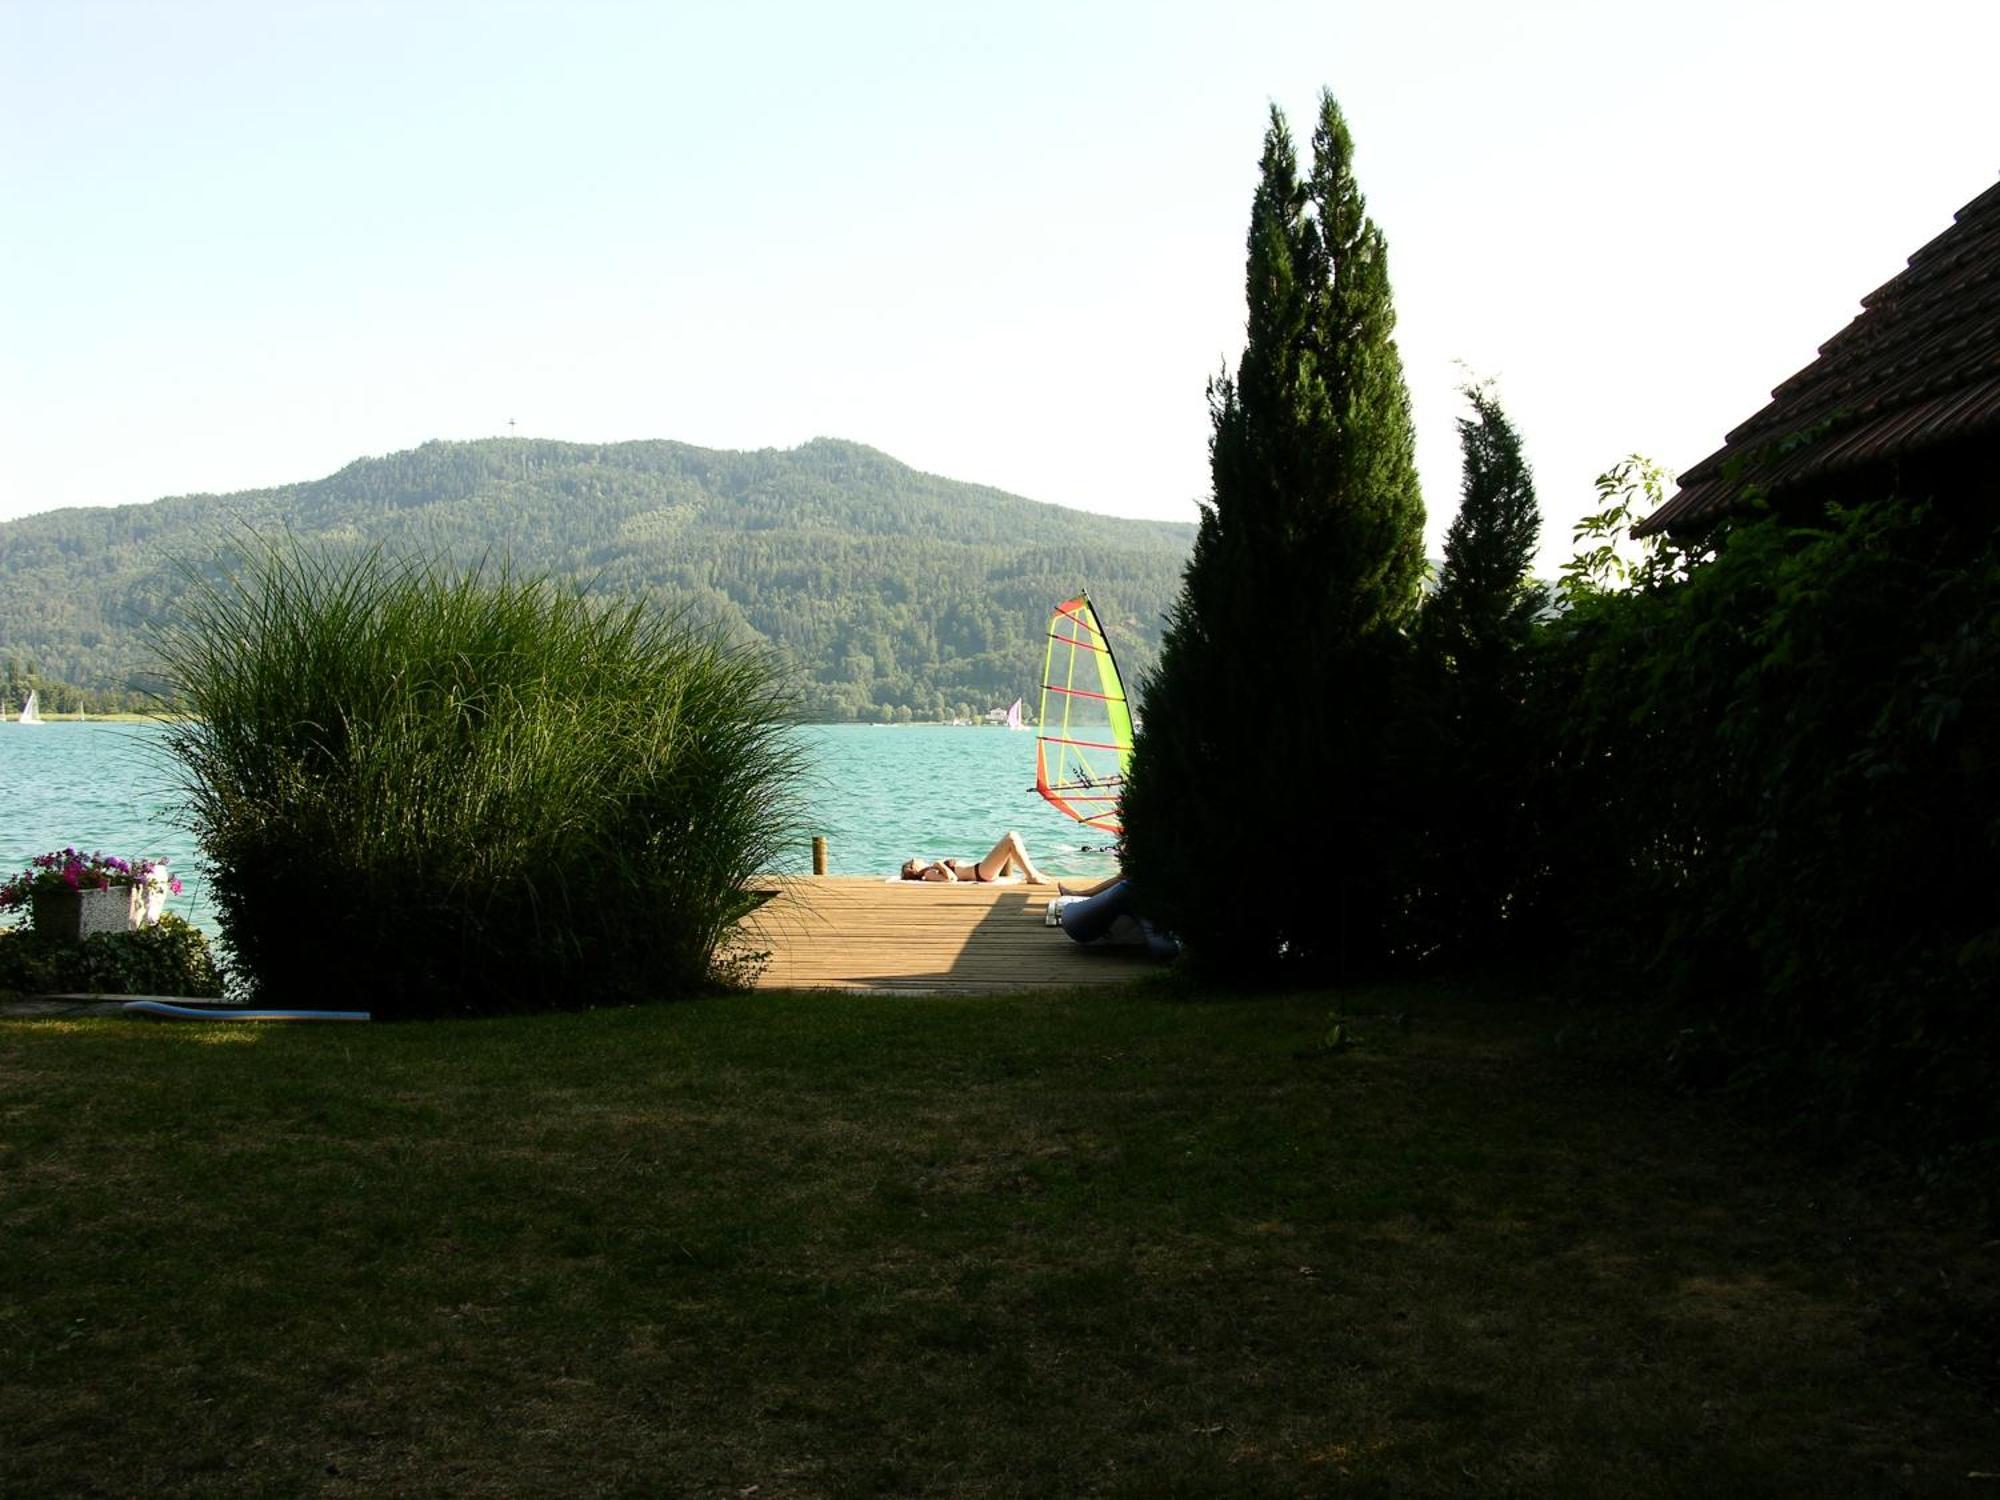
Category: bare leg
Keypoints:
(1089, 890)
(1008, 855)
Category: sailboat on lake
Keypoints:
(31, 712)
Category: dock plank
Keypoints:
(862, 933)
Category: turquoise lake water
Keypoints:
(878, 795)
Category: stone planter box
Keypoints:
(72, 916)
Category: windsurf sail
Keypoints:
(1084, 740)
(1014, 715)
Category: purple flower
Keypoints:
(67, 869)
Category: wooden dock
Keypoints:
(863, 933)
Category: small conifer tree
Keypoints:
(1476, 631)
(1261, 822)
(1486, 599)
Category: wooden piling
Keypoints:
(819, 854)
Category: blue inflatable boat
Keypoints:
(196, 1010)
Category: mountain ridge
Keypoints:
(890, 590)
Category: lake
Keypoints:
(878, 793)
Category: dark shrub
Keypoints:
(1774, 786)
(167, 958)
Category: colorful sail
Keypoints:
(1085, 738)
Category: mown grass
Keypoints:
(1132, 1244)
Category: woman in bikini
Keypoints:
(1008, 857)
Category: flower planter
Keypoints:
(72, 916)
(71, 896)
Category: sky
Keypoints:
(245, 244)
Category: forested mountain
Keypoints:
(894, 592)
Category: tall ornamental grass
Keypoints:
(428, 792)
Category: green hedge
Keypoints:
(168, 958)
(1774, 786)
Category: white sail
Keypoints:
(31, 710)
(1014, 715)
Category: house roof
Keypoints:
(1917, 369)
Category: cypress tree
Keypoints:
(1476, 631)
(1261, 819)
(1486, 600)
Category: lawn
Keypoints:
(1130, 1243)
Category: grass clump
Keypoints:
(468, 792)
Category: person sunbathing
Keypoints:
(1000, 866)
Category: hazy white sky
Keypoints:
(247, 243)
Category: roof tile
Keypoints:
(1919, 366)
